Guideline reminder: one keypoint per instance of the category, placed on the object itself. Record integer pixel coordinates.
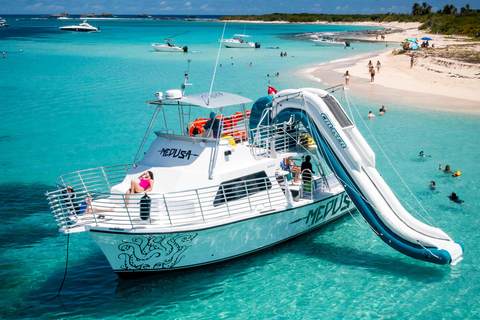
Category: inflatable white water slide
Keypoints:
(352, 160)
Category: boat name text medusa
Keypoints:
(334, 206)
(177, 153)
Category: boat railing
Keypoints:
(99, 208)
(100, 179)
(268, 141)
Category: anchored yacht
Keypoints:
(82, 27)
(238, 41)
(231, 180)
(169, 46)
(328, 39)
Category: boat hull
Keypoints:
(135, 254)
(164, 48)
(329, 43)
(79, 29)
(247, 45)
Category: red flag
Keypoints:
(271, 90)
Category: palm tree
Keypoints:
(416, 9)
(426, 8)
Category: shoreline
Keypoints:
(434, 82)
(438, 80)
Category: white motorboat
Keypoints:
(328, 39)
(238, 41)
(3, 22)
(169, 46)
(82, 27)
(225, 190)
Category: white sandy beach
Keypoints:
(433, 82)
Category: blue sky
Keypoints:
(219, 7)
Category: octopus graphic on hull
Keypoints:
(154, 252)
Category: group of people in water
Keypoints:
(453, 196)
(380, 112)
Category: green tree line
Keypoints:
(444, 21)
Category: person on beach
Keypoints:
(378, 66)
(382, 110)
(371, 115)
(446, 170)
(145, 185)
(411, 62)
(372, 74)
(347, 78)
(370, 65)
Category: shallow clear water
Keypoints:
(75, 101)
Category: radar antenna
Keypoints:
(186, 78)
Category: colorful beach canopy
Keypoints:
(426, 38)
(411, 40)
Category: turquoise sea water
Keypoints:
(74, 101)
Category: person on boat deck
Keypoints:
(307, 169)
(447, 168)
(213, 124)
(290, 165)
(145, 185)
(86, 208)
(69, 195)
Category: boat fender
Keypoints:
(145, 203)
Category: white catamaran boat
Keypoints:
(328, 39)
(82, 27)
(228, 187)
(168, 46)
(238, 41)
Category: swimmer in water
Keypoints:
(423, 155)
(446, 170)
(432, 185)
(453, 197)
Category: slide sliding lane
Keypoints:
(349, 156)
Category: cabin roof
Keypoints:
(216, 100)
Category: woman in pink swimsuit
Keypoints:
(145, 185)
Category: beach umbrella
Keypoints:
(411, 40)
(427, 38)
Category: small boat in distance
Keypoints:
(82, 27)
(3, 22)
(168, 46)
(238, 42)
(328, 39)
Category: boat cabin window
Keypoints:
(242, 187)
